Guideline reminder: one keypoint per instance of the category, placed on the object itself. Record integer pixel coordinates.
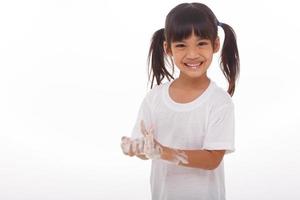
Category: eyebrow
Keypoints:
(197, 40)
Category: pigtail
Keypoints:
(230, 61)
(156, 68)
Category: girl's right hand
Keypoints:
(126, 146)
(133, 147)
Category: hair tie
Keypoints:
(219, 23)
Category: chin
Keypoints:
(193, 74)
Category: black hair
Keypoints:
(181, 22)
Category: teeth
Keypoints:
(193, 65)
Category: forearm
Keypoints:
(204, 159)
(149, 148)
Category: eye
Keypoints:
(179, 45)
(202, 43)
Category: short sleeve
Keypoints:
(144, 114)
(221, 129)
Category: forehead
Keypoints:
(192, 37)
(187, 31)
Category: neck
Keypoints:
(192, 83)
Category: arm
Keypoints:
(151, 148)
(220, 130)
(204, 159)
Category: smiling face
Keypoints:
(193, 55)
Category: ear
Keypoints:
(217, 45)
(168, 52)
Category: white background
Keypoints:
(72, 77)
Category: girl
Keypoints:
(186, 125)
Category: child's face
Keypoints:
(193, 55)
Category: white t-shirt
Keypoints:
(204, 123)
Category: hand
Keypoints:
(141, 147)
(132, 147)
(152, 148)
(126, 146)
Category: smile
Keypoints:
(193, 65)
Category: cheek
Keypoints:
(208, 54)
(177, 57)
(177, 61)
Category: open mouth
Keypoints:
(193, 65)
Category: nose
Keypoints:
(192, 53)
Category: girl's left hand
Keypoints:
(145, 146)
(152, 148)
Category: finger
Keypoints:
(125, 139)
(139, 146)
(130, 149)
(124, 148)
(134, 146)
(151, 130)
(143, 129)
(125, 145)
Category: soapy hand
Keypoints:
(151, 148)
(145, 145)
(132, 147)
